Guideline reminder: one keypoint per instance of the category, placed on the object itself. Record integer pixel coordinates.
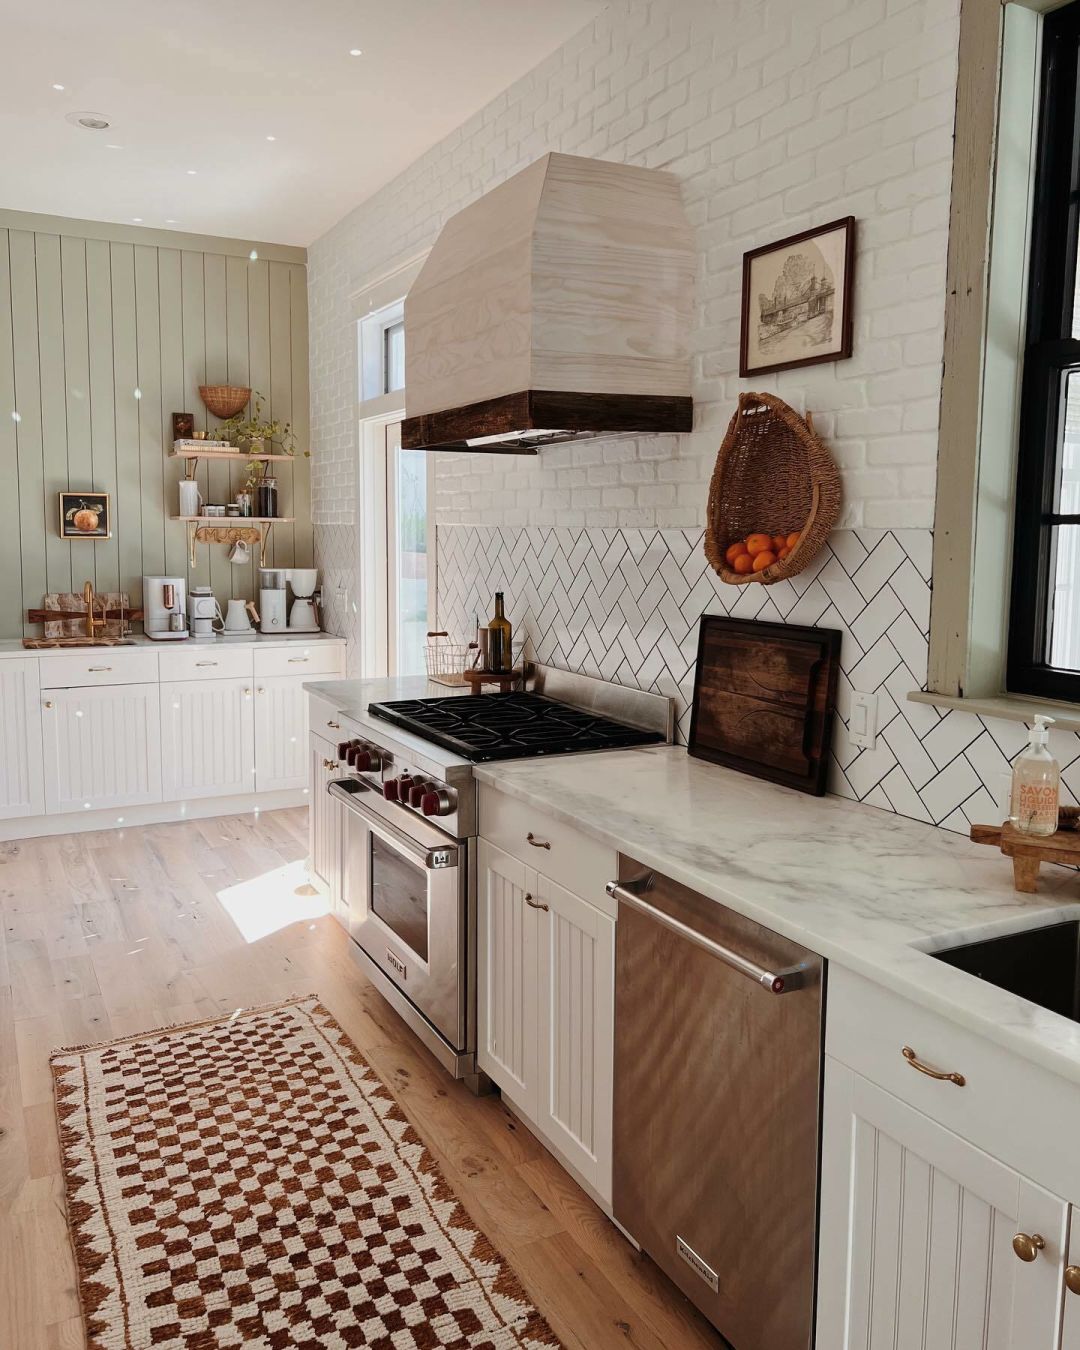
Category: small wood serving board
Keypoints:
(1029, 851)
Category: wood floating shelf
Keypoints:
(237, 522)
(226, 528)
(190, 452)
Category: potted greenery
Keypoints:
(255, 433)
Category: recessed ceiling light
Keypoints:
(170, 221)
(89, 121)
(271, 138)
(59, 88)
(355, 51)
(193, 171)
(113, 146)
(136, 220)
(253, 255)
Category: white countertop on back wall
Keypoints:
(139, 641)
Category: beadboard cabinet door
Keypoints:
(575, 1007)
(506, 960)
(281, 745)
(207, 738)
(325, 824)
(102, 747)
(916, 1234)
(22, 784)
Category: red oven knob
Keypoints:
(362, 760)
(397, 789)
(416, 793)
(343, 749)
(351, 751)
(390, 789)
(436, 803)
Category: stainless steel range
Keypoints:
(411, 822)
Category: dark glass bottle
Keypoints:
(500, 648)
(266, 497)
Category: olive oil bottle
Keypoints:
(500, 649)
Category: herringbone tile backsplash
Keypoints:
(624, 605)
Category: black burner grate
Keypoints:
(509, 726)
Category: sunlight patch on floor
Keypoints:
(270, 902)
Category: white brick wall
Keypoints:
(775, 115)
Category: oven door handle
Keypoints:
(775, 981)
(441, 857)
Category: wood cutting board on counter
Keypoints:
(764, 695)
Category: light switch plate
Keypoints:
(862, 721)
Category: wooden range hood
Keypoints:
(557, 307)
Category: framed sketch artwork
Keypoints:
(796, 300)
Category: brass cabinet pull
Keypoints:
(1028, 1246)
(206, 663)
(1072, 1279)
(298, 660)
(534, 904)
(96, 670)
(335, 725)
(530, 838)
(916, 1063)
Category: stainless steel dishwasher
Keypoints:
(718, 1045)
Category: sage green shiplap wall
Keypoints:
(91, 313)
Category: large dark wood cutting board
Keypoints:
(763, 699)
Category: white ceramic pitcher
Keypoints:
(191, 501)
(236, 619)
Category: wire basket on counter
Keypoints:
(448, 661)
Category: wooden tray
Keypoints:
(1029, 851)
(763, 699)
(42, 643)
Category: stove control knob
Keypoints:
(343, 749)
(397, 789)
(351, 751)
(417, 791)
(436, 803)
(390, 789)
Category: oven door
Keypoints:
(407, 897)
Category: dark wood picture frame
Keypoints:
(844, 290)
(778, 727)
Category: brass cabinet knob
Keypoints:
(48, 703)
(329, 763)
(1072, 1279)
(1027, 1247)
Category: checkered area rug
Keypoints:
(252, 1182)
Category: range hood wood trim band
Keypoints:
(546, 409)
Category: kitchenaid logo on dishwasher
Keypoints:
(397, 963)
(697, 1265)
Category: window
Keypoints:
(397, 571)
(1044, 623)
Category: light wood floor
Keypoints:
(115, 932)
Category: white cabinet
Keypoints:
(325, 826)
(545, 1008)
(22, 788)
(102, 747)
(207, 738)
(576, 1045)
(507, 975)
(281, 748)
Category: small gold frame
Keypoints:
(72, 503)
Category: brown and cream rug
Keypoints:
(252, 1182)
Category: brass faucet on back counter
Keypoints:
(91, 623)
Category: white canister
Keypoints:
(190, 497)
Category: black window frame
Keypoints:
(1050, 353)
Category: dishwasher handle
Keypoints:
(775, 981)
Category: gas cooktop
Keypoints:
(483, 727)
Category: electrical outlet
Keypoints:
(862, 722)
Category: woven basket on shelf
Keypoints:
(773, 475)
(224, 400)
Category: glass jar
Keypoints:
(266, 497)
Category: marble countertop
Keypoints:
(14, 647)
(869, 890)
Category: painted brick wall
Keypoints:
(775, 115)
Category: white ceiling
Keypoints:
(201, 85)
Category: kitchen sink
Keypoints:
(1040, 964)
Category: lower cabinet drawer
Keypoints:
(570, 858)
(105, 665)
(298, 658)
(1014, 1110)
(206, 662)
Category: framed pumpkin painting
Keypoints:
(85, 515)
(796, 300)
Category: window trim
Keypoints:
(1050, 352)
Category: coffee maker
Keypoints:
(272, 599)
(165, 608)
(303, 613)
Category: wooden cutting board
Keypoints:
(763, 699)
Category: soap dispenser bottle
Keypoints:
(1033, 806)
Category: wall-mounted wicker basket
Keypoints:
(224, 400)
(773, 475)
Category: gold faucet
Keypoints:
(88, 600)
